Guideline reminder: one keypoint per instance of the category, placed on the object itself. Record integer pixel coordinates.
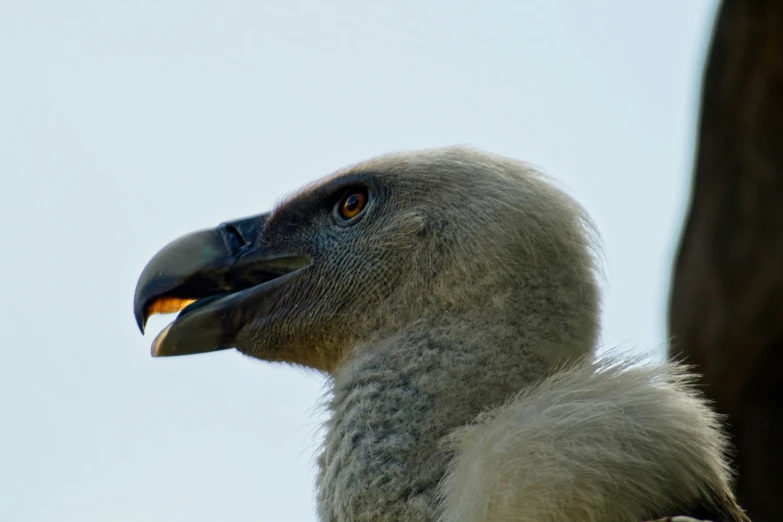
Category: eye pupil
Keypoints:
(352, 205)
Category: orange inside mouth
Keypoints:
(168, 305)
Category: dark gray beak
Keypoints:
(220, 279)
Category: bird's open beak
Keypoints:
(220, 279)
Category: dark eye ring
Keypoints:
(352, 204)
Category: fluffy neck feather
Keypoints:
(393, 403)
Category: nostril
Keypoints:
(240, 235)
(232, 237)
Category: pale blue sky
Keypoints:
(126, 124)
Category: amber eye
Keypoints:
(352, 204)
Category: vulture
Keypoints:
(451, 297)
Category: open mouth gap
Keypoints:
(199, 291)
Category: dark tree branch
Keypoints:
(726, 303)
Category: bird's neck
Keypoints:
(395, 400)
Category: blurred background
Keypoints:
(125, 125)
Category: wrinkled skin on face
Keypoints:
(355, 268)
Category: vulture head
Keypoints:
(403, 241)
(443, 291)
